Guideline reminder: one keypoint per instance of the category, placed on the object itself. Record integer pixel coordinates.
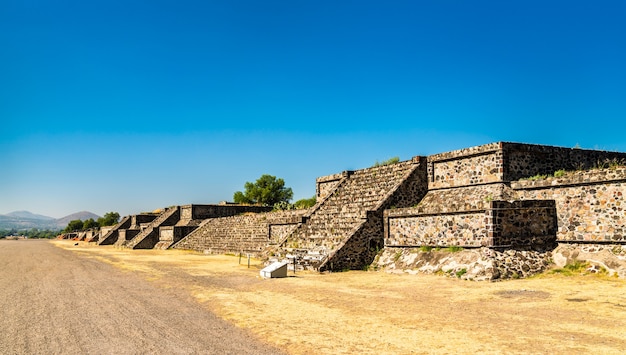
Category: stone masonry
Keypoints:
(478, 197)
(471, 203)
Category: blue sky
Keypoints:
(129, 106)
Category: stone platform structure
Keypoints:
(164, 228)
(518, 199)
(508, 205)
(478, 197)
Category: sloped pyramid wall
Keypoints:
(248, 233)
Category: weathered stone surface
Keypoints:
(610, 258)
(469, 202)
(591, 205)
(480, 264)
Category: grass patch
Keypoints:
(389, 161)
(577, 267)
(454, 249)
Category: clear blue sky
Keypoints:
(129, 106)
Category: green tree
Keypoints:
(90, 223)
(267, 190)
(74, 225)
(109, 219)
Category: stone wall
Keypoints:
(528, 224)
(467, 229)
(525, 160)
(503, 162)
(126, 235)
(591, 205)
(325, 185)
(470, 166)
(195, 212)
(139, 219)
(168, 235)
(510, 224)
(445, 217)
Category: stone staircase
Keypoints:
(346, 226)
(149, 237)
(111, 236)
(240, 234)
(249, 233)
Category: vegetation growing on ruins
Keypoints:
(576, 267)
(298, 205)
(267, 190)
(610, 163)
(386, 162)
(600, 164)
(305, 203)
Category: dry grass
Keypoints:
(376, 313)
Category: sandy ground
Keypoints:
(55, 301)
(354, 312)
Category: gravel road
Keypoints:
(55, 302)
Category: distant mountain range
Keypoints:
(21, 220)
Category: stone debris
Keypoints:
(482, 264)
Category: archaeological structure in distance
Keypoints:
(500, 210)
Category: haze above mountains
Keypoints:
(22, 220)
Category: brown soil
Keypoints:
(54, 301)
(373, 312)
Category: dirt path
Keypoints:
(354, 312)
(52, 301)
